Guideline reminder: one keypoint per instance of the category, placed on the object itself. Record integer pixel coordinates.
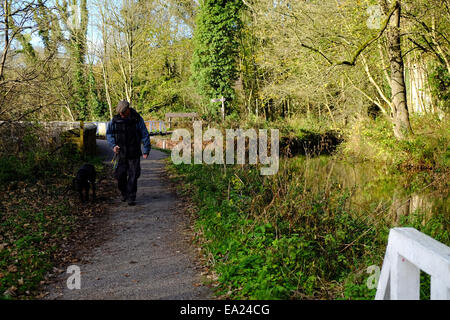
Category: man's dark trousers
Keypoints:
(127, 174)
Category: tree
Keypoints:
(74, 15)
(98, 108)
(337, 36)
(27, 76)
(145, 53)
(402, 126)
(427, 42)
(216, 49)
(126, 33)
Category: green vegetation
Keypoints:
(38, 213)
(428, 149)
(30, 238)
(365, 82)
(216, 49)
(284, 237)
(312, 230)
(35, 163)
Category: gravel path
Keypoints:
(148, 255)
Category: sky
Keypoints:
(93, 33)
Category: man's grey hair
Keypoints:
(122, 106)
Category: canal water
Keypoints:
(376, 188)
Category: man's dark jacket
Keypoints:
(128, 133)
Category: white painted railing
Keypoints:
(409, 251)
(155, 127)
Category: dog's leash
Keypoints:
(67, 189)
(115, 161)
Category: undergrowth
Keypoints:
(38, 213)
(275, 238)
(373, 140)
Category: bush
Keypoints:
(36, 160)
(270, 241)
(373, 140)
(283, 237)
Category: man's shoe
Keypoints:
(131, 202)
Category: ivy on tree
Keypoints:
(216, 49)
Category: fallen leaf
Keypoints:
(12, 268)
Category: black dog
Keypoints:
(85, 176)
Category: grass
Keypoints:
(427, 149)
(38, 214)
(260, 248)
(166, 151)
(30, 237)
(280, 237)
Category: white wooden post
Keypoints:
(439, 290)
(223, 108)
(222, 99)
(405, 279)
(409, 251)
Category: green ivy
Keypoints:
(216, 50)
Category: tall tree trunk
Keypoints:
(402, 126)
(104, 58)
(6, 39)
(105, 82)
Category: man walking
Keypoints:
(124, 133)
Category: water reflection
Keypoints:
(373, 189)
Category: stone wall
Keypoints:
(51, 134)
